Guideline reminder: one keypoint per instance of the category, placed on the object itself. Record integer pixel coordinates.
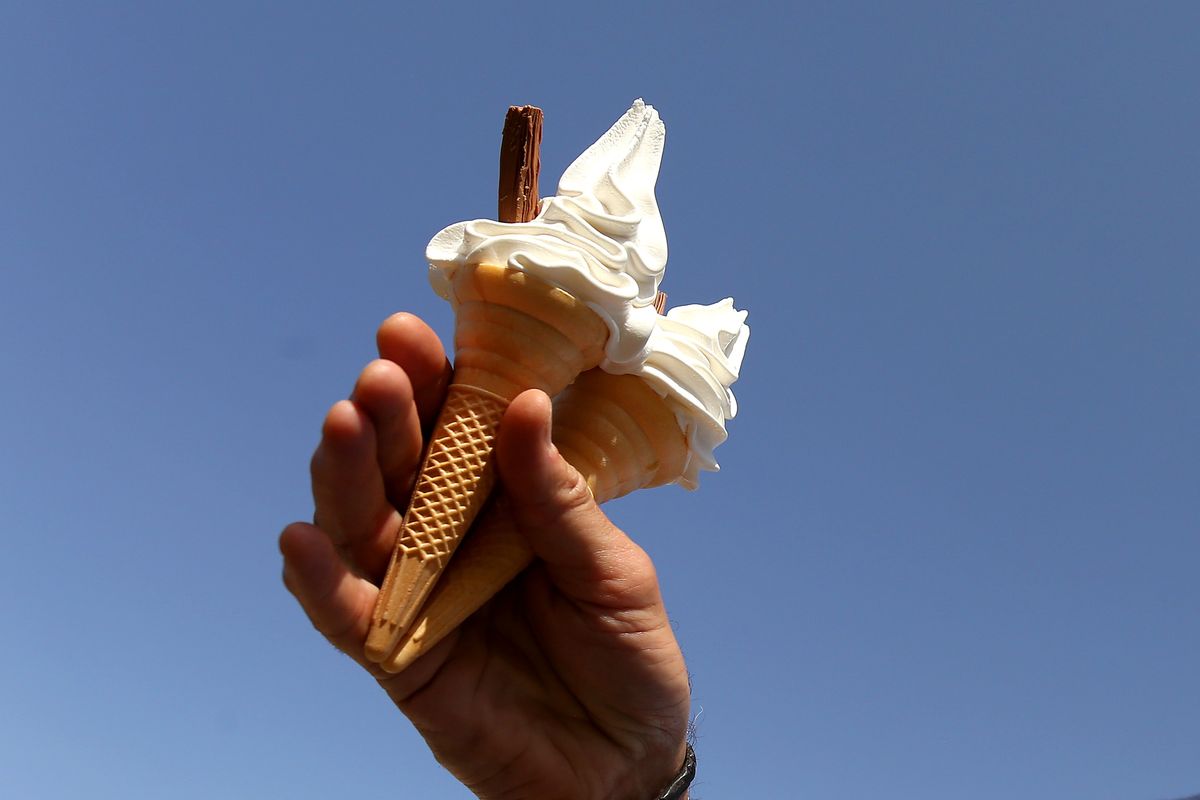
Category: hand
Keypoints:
(569, 684)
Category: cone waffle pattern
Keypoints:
(457, 466)
(512, 332)
(618, 433)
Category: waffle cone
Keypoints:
(512, 332)
(618, 433)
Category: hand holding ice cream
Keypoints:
(612, 720)
(481, 699)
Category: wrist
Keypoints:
(677, 787)
(650, 775)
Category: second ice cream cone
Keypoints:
(618, 433)
(622, 432)
(513, 332)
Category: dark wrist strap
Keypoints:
(680, 783)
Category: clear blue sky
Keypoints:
(953, 550)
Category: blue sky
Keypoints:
(952, 551)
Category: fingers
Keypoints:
(586, 556)
(363, 469)
(337, 603)
(349, 493)
(384, 392)
(407, 341)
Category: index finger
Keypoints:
(405, 339)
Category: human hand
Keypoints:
(570, 682)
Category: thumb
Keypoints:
(587, 557)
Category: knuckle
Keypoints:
(574, 494)
(568, 496)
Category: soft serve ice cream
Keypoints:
(600, 238)
(693, 357)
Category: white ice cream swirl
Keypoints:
(601, 238)
(693, 357)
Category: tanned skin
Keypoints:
(568, 684)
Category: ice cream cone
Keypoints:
(513, 332)
(618, 433)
